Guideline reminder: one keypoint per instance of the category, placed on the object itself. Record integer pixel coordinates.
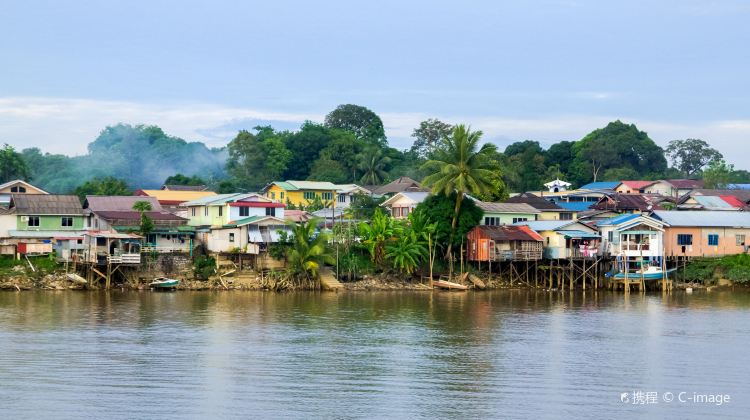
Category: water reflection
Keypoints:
(494, 354)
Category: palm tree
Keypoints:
(406, 252)
(460, 165)
(372, 163)
(147, 225)
(375, 234)
(424, 228)
(308, 251)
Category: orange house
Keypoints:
(503, 243)
(705, 233)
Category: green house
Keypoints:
(47, 216)
(498, 214)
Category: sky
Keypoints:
(543, 70)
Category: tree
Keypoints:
(617, 145)
(376, 234)
(102, 186)
(440, 208)
(406, 251)
(305, 146)
(461, 166)
(691, 155)
(12, 165)
(147, 225)
(365, 124)
(526, 160)
(428, 136)
(326, 169)
(372, 165)
(562, 155)
(180, 179)
(257, 159)
(718, 174)
(363, 206)
(308, 251)
(343, 148)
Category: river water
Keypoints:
(503, 354)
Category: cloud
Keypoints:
(65, 125)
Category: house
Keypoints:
(184, 187)
(171, 200)
(566, 239)
(398, 185)
(547, 209)
(711, 203)
(16, 187)
(503, 243)
(673, 187)
(601, 185)
(688, 201)
(403, 203)
(632, 235)
(221, 209)
(557, 186)
(632, 187)
(330, 216)
(107, 247)
(40, 218)
(170, 233)
(301, 193)
(497, 214)
(296, 216)
(346, 193)
(231, 222)
(625, 203)
(705, 233)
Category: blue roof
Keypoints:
(575, 205)
(604, 185)
(738, 186)
(618, 219)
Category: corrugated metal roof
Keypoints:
(510, 233)
(521, 208)
(710, 202)
(536, 202)
(738, 186)
(401, 184)
(603, 185)
(704, 218)
(312, 185)
(577, 234)
(44, 233)
(215, 200)
(637, 185)
(175, 196)
(39, 204)
(576, 205)
(733, 201)
(686, 183)
(98, 203)
(542, 225)
(618, 219)
(184, 187)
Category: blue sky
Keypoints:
(543, 70)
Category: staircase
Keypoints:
(328, 281)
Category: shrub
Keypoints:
(204, 267)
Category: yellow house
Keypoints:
(301, 193)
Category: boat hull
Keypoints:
(164, 284)
(642, 276)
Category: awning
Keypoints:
(578, 234)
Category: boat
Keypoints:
(449, 285)
(646, 273)
(164, 283)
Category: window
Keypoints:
(327, 196)
(193, 209)
(205, 211)
(281, 194)
(611, 236)
(566, 216)
(342, 198)
(33, 221)
(273, 195)
(270, 211)
(221, 211)
(231, 237)
(244, 211)
(308, 195)
(491, 221)
(66, 222)
(740, 240)
(684, 239)
(713, 239)
(18, 189)
(520, 219)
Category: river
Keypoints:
(500, 354)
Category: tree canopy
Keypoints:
(12, 165)
(365, 124)
(690, 156)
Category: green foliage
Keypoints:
(180, 179)
(691, 155)
(308, 251)
(407, 250)
(147, 225)
(733, 267)
(428, 136)
(363, 206)
(12, 165)
(326, 169)
(278, 249)
(257, 159)
(440, 209)
(365, 124)
(102, 186)
(375, 234)
(204, 267)
(372, 166)
(718, 174)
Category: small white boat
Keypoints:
(164, 283)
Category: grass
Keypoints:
(708, 270)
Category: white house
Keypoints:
(557, 185)
(403, 203)
(346, 193)
(632, 235)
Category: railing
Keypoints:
(516, 255)
(124, 259)
(577, 253)
(166, 249)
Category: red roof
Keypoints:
(733, 201)
(255, 204)
(510, 233)
(637, 185)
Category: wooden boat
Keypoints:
(164, 283)
(449, 285)
(646, 273)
